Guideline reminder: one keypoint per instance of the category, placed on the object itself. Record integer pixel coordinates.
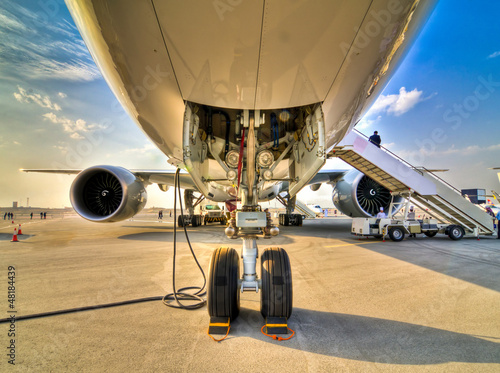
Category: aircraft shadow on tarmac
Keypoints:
(375, 340)
(212, 236)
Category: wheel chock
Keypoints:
(219, 325)
(276, 325)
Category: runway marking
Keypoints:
(353, 244)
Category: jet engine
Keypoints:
(107, 194)
(356, 195)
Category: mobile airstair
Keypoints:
(424, 188)
(300, 206)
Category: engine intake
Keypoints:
(357, 195)
(107, 194)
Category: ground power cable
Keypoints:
(172, 300)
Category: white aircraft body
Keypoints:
(248, 97)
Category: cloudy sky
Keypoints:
(440, 110)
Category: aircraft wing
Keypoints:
(160, 177)
(327, 176)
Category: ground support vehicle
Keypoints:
(398, 229)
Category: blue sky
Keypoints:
(440, 110)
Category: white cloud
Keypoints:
(74, 128)
(10, 22)
(27, 97)
(144, 150)
(397, 104)
(32, 49)
(62, 95)
(495, 54)
(366, 122)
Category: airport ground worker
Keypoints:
(411, 216)
(381, 214)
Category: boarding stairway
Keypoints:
(425, 189)
(300, 206)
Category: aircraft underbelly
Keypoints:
(245, 55)
(256, 54)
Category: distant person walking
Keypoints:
(160, 215)
(41, 215)
(375, 139)
(45, 215)
(4, 216)
(31, 216)
(170, 213)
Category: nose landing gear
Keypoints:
(225, 283)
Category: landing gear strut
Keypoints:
(190, 203)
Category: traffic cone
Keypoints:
(12, 221)
(19, 232)
(14, 237)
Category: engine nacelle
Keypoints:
(356, 195)
(107, 194)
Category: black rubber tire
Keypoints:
(180, 221)
(456, 232)
(194, 220)
(223, 296)
(430, 233)
(298, 220)
(205, 220)
(396, 234)
(276, 296)
(286, 220)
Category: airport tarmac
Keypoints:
(359, 305)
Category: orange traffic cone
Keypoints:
(14, 237)
(19, 232)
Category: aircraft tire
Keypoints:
(180, 221)
(194, 220)
(276, 294)
(223, 296)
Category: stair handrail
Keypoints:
(391, 153)
(418, 169)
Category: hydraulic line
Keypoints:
(275, 131)
(228, 129)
